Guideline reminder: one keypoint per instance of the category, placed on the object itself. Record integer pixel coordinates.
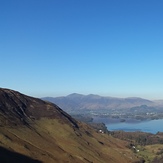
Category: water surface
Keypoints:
(152, 126)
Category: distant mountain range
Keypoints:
(93, 102)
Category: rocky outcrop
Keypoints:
(16, 108)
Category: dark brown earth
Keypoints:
(16, 108)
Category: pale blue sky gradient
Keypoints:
(58, 47)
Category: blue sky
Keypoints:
(109, 47)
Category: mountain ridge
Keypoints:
(17, 103)
(94, 102)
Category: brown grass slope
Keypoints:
(42, 131)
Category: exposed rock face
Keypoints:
(44, 132)
(17, 108)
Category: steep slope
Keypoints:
(42, 131)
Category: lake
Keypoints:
(151, 126)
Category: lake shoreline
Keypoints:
(131, 125)
(149, 126)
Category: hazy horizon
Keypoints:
(121, 97)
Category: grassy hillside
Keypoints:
(51, 141)
(42, 131)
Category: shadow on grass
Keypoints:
(7, 156)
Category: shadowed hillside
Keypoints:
(10, 157)
(42, 131)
